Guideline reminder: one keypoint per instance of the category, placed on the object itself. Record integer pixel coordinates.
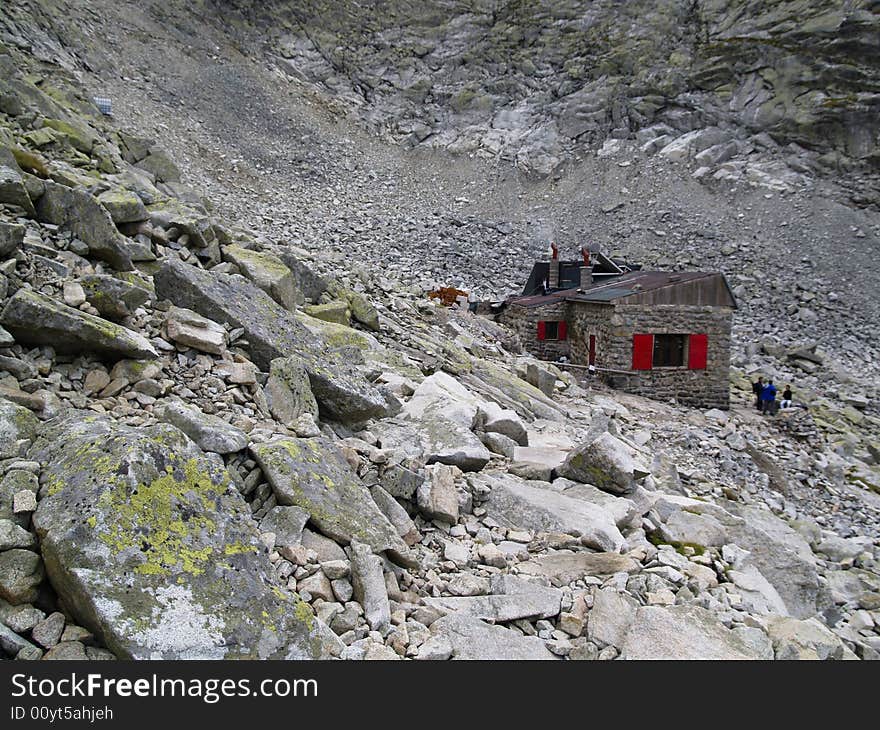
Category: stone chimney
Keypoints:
(586, 277)
(553, 277)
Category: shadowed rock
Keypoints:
(36, 319)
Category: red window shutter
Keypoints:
(697, 352)
(592, 350)
(542, 330)
(563, 330)
(643, 352)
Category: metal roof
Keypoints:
(711, 286)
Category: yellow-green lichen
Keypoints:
(158, 520)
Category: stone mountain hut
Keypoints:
(654, 333)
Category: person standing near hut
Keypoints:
(786, 397)
(757, 389)
(768, 398)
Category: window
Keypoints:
(552, 330)
(668, 351)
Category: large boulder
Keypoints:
(688, 528)
(12, 188)
(683, 632)
(113, 297)
(437, 497)
(610, 618)
(606, 462)
(780, 554)
(515, 502)
(151, 547)
(190, 221)
(190, 329)
(368, 583)
(21, 572)
(511, 598)
(288, 391)
(11, 237)
(342, 392)
(268, 272)
(87, 219)
(471, 638)
(311, 285)
(499, 384)
(16, 424)
(443, 412)
(37, 319)
(123, 206)
(795, 639)
(209, 432)
(623, 510)
(563, 568)
(314, 475)
(493, 418)
(361, 310)
(273, 332)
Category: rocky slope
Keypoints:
(221, 437)
(537, 83)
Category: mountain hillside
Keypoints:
(233, 425)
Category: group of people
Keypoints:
(765, 396)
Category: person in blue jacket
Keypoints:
(768, 398)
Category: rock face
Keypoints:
(154, 551)
(531, 505)
(728, 63)
(37, 319)
(683, 632)
(314, 475)
(87, 219)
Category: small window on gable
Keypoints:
(669, 351)
(552, 331)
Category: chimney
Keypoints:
(586, 277)
(553, 277)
